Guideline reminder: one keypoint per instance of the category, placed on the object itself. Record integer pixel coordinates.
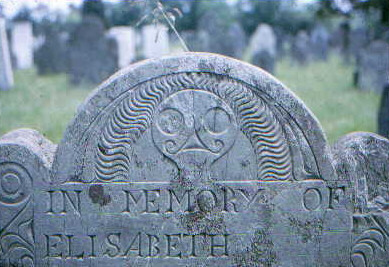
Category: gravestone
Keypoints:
(262, 47)
(319, 42)
(218, 35)
(373, 67)
(155, 41)
(189, 160)
(6, 74)
(92, 55)
(359, 39)
(301, 50)
(51, 56)
(363, 159)
(22, 41)
(126, 43)
(383, 114)
(236, 42)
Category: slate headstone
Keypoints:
(126, 43)
(236, 42)
(383, 114)
(363, 159)
(155, 41)
(92, 56)
(319, 42)
(6, 74)
(263, 48)
(359, 39)
(216, 35)
(301, 49)
(190, 160)
(22, 41)
(373, 67)
(51, 56)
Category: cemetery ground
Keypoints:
(48, 103)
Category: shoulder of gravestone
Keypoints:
(28, 148)
(360, 152)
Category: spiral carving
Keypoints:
(15, 184)
(134, 115)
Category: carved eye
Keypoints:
(217, 120)
(171, 121)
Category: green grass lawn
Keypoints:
(48, 103)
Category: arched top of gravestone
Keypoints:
(230, 118)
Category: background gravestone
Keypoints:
(236, 40)
(155, 41)
(6, 74)
(217, 35)
(126, 43)
(194, 159)
(92, 56)
(319, 42)
(263, 48)
(373, 67)
(359, 39)
(22, 41)
(301, 48)
(383, 114)
(52, 56)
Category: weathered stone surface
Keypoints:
(155, 41)
(320, 42)
(383, 114)
(373, 67)
(6, 74)
(363, 159)
(262, 47)
(126, 43)
(22, 41)
(190, 160)
(25, 160)
(301, 50)
(52, 56)
(92, 56)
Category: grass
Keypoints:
(48, 103)
(44, 103)
(327, 89)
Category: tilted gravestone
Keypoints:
(22, 42)
(126, 43)
(373, 67)
(6, 74)
(190, 160)
(263, 48)
(92, 56)
(383, 114)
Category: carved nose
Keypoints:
(193, 143)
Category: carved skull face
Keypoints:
(194, 128)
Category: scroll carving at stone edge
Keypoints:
(363, 159)
(24, 157)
